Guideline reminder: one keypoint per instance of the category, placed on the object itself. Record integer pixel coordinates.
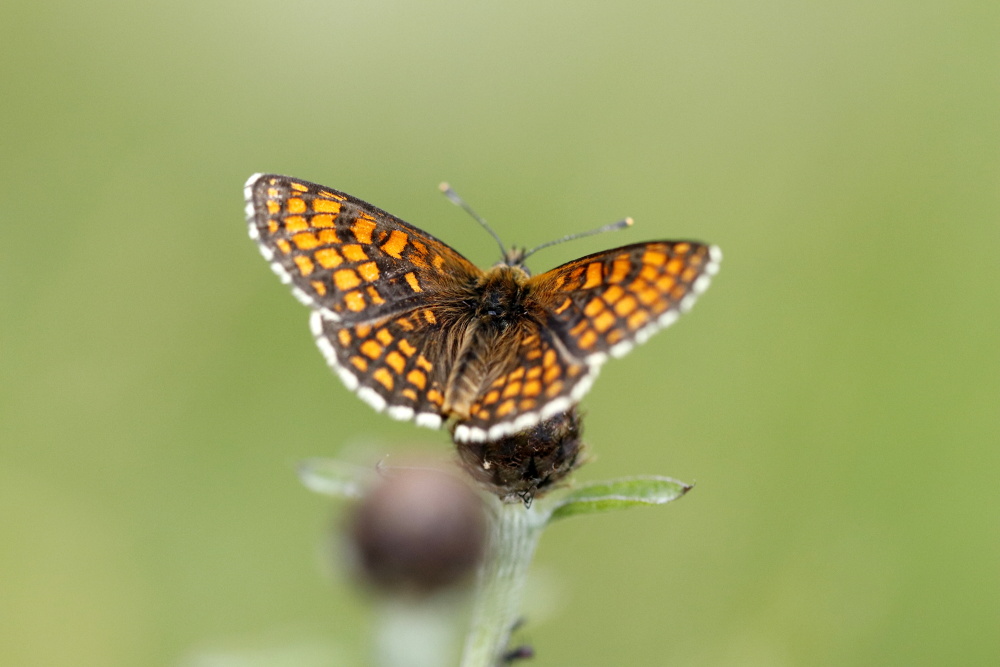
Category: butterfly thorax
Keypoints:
(487, 331)
(501, 296)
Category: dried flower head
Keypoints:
(527, 463)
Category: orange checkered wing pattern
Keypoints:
(354, 262)
(395, 364)
(605, 303)
(533, 379)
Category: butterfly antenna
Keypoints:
(458, 201)
(614, 226)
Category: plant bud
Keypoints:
(418, 530)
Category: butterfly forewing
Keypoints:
(344, 256)
(606, 302)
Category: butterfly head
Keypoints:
(514, 258)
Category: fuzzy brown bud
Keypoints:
(417, 531)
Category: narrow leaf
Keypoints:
(335, 478)
(618, 494)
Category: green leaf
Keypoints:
(618, 494)
(335, 478)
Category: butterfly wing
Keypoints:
(534, 378)
(342, 256)
(394, 364)
(605, 303)
(374, 283)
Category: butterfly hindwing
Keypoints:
(533, 379)
(394, 364)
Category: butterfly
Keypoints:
(421, 333)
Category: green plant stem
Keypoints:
(417, 633)
(500, 583)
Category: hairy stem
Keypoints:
(501, 580)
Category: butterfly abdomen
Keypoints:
(486, 335)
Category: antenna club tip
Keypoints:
(629, 222)
(443, 186)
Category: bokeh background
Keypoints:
(834, 395)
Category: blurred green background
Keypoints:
(834, 395)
